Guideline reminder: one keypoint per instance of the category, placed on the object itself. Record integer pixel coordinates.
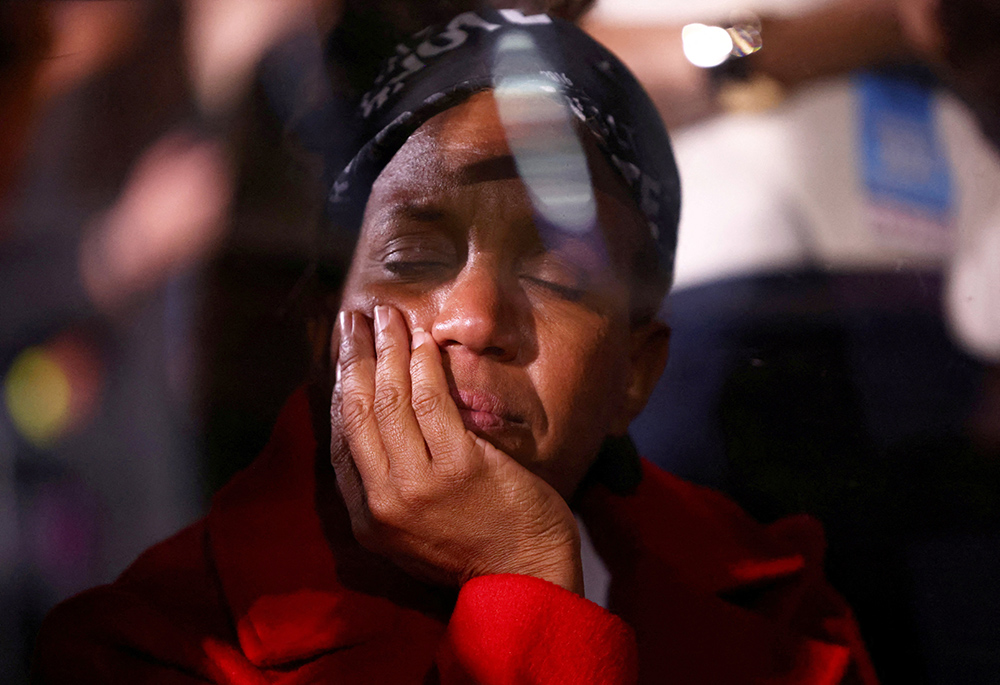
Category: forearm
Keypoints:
(681, 91)
(833, 40)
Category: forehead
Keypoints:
(459, 146)
(469, 144)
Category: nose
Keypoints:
(478, 312)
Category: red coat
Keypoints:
(261, 591)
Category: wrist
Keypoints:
(559, 563)
(566, 572)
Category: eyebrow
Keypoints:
(504, 167)
(419, 211)
(499, 168)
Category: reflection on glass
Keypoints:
(549, 157)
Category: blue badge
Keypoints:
(904, 166)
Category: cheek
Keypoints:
(579, 378)
(579, 381)
(365, 287)
(418, 309)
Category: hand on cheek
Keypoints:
(423, 490)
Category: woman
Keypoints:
(516, 207)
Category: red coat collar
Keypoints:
(707, 542)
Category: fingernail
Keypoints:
(419, 337)
(346, 329)
(381, 318)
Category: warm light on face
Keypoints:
(706, 46)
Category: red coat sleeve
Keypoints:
(519, 629)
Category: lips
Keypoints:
(484, 411)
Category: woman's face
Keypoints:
(533, 323)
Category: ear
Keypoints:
(649, 349)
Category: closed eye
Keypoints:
(418, 255)
(414, 269)
(570, 293)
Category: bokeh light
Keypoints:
(54, 388)
(37, 393)
(706, 46)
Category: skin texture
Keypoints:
(481, 359)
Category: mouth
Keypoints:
(483, 412)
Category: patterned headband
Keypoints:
(547, 68)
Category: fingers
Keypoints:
(435, 410)
(397, 423)
(356, 369)
(349, 481)
(395, 409)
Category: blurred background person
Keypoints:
(124, 182)
(834, 320)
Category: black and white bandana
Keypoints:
(443, 65)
